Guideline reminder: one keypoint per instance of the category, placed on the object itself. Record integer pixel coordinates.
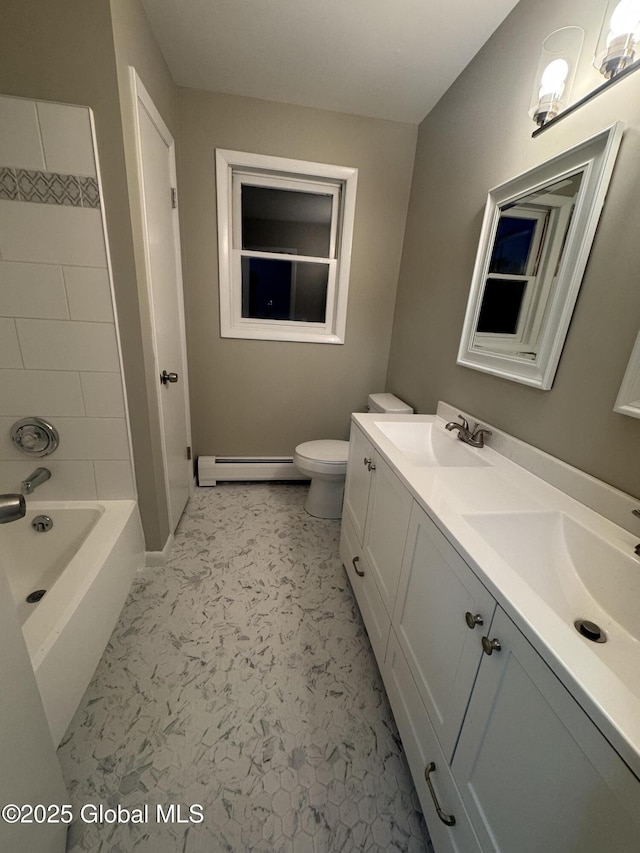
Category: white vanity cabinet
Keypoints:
(441, 613)
(504, 759)
(534, 772)
(375, 520)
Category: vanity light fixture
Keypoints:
(555, 73)
(619, 36)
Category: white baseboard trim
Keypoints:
(159, 558)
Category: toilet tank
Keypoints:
(389, 404)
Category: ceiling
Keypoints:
(390, 59)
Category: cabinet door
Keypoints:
(436, 590)
(386, 530)
(447, 820)
(533, 770)
(374, 614)
(356, 492)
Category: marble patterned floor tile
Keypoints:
(240, 678)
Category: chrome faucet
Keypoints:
(472, 436)
(39, 476)
(12, 507)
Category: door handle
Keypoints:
(165, 377)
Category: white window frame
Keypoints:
(234, 168)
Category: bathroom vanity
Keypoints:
(522, 734)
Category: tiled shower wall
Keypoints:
(59, 356)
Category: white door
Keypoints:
(156, 160)
(29, 772)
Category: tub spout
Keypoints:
(39, 476)
(12, 507)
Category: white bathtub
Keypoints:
(86, 563)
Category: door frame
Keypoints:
(141, 96)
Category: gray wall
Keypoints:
(478, 136)
(264, 397)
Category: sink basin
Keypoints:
(577, 572)
(428, 445)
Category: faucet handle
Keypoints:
(478, 434)
(465, 422)
(636, 512)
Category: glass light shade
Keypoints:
(618, 43)
(555, 73)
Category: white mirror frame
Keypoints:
(595, 157)
(628, 401)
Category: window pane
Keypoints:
(512, 245)
(274, 220)
(501, 304)
(284, 290)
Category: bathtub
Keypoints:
(86, 563)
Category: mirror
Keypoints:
(628, 402)
(535, 241)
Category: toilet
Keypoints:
(325, 462)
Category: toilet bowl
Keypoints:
(325, 462)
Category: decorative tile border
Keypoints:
(48, 188)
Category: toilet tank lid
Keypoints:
(388, 403)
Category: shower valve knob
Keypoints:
(165, 377)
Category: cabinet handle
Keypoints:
(447, 819)
(472, 620)
(358, 572)
(368, 462)
(490, 646)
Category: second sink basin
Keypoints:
(577, 572)
(426, 444)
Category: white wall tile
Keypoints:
(88, 293)
(66, 136)
(20, 144)
(9, 348)
(102, 394)
(68, 345)
(51, 233)
(80, 438)
(43, 392)
(92, 438)
(114, 480)
(69, 480)
(32, 290)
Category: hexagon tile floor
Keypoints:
(240, 678)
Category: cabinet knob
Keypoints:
(472, 620)
(447, 819)
(491, 646)
(357, 570)
(367, 462)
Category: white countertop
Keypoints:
(603, 678)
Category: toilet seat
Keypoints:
(326, 456)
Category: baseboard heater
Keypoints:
(214, 469)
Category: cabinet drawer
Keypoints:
(421, 748)
(372, 609)
(436, 590)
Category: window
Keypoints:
(284, 243)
